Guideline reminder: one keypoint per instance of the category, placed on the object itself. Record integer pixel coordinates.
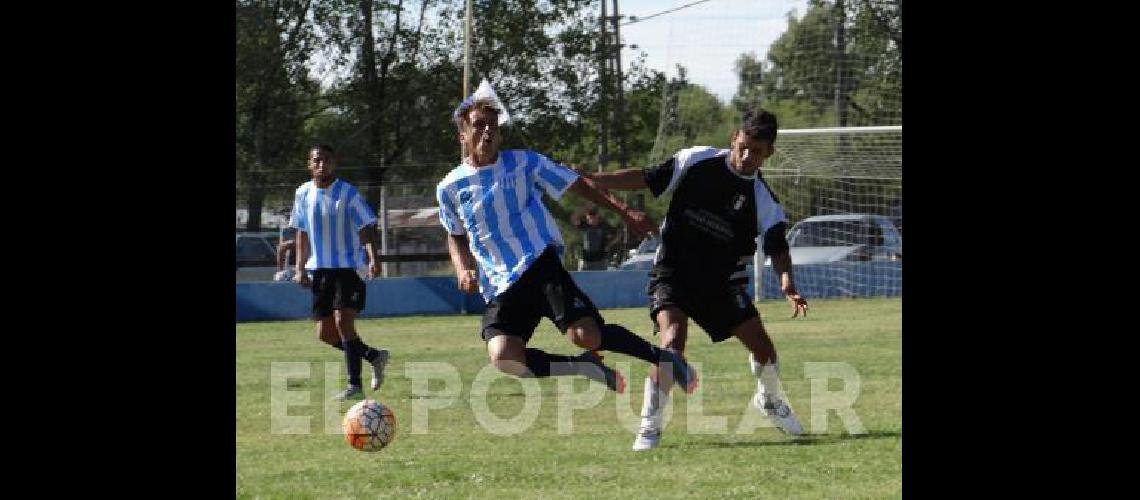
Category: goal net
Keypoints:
(831, 72)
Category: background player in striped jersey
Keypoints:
(720, 204)
(504, 242)
(333, 221)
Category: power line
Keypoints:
(635, 19)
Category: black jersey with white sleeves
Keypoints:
(714, 216)
(664, 178)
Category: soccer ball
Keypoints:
(369, 425)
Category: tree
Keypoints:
(750, 92)
(799, 79)
(272, 93)
(393, 106)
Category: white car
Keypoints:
(844, 238)
(641, 258)
(816, 240)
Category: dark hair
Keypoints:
(323, 147)
(760, 125)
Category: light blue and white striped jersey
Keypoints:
(333, 218)
(499, 207)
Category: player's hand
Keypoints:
(640, 223)
(373, 270)
(798, 302)
(302, 278)
(468, 281)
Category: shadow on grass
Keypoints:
(802, 440)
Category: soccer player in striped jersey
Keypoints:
(504, 242)
(720, 205)
(332, 222)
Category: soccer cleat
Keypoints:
(600, 372)
(683, 374)
(378, 368)
(779, 413)
(353, 392)
(647, 438)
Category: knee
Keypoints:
(511, 365)
(507, 359)
(584, 336)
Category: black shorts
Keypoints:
(717, 307)
(545, 290)
(336, 289)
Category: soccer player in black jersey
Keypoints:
(720, 205)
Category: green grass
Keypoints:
(457, 457)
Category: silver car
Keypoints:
(844, 238)
(641, 258)
(256, 256)
(816, 240)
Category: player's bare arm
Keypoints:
(782, 264)
(283, 248)
(466, 271)
(368, 238)
(302, 255)
(586, 187)
(621, 180)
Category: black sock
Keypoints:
(353, 349)
(543, 364)
(370, 354)
(366, 352)
(618, 338)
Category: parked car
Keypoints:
(844, 238)
(641, 258)
(256, 256)
(815, 240)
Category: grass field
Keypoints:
(458, 457)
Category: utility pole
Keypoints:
(619, 87)
(603, 91)
(611, 98)
(467, 53)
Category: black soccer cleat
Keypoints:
(591, 367)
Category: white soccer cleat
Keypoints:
(647, 438)
(779, 413)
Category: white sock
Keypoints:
(767, 377)
(653, 403)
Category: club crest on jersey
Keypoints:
(738, 202)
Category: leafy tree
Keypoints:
(274, 40)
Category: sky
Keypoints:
(705, 38)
